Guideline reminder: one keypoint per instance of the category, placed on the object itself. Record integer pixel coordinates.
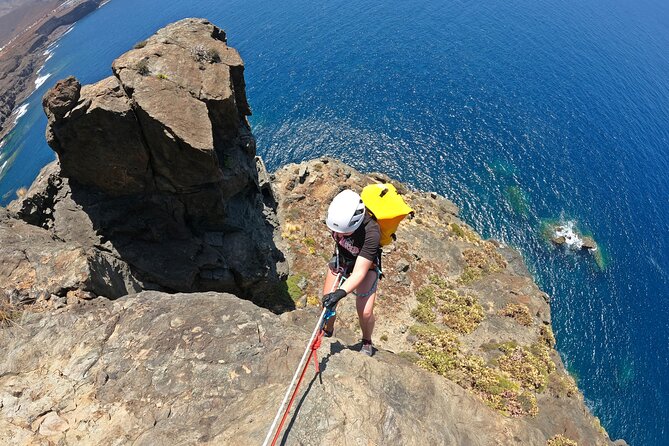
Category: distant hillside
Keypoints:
(17, 15)
(25, 32)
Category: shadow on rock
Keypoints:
(158, 183)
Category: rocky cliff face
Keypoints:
(464, 346)
(157, 184)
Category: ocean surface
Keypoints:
(522, 112)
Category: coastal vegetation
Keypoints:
(460, 311)
(8, 314)
(293, 286)
(506, 383)
(463, 233)
(507, 376)
(518, 312)
(143, 67)
(438, 350)
(560, 440)
(480, 262)
(202, 54)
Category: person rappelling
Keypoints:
(357, 260)
(360, 225)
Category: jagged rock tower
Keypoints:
(158, 183)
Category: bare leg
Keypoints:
(365, 305)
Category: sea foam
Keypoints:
(18, 113)
(41, 79)
(571, 239)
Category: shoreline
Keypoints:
(23, 57)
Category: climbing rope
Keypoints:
(310, 352)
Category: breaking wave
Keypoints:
(18, 113)
(41, 79)
(566, 230)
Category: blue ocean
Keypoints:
(522, 112)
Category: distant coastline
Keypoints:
(23, 55)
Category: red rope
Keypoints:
(314, 354)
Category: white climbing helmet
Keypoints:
(346, 212)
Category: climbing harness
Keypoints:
(310, 352)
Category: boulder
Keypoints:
(61, 98)
(173, 119)
(560, 240)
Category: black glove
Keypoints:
(330, 300)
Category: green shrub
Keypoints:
(294, 291)
(426, 296)
(202, 54)
(518, 312)
(9, 314)
(560, 440)
(437, 348)
(457, 230)
(529, 366)
(461, 312)
(562, 386)
(423, 313)
(547, 336)
(439, 281)
(143, 67)
(469, 275)
(213, 56)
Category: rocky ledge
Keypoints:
(117, 268)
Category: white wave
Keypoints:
(41, 79)
(51, 48)
(67, 31)
(19, 112)
(2, 168)
(571, 238)
(48, 53)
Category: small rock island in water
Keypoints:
(566, 235)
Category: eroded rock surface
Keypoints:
(211, 369)
(157, 181)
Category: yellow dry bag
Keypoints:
(389, 208)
